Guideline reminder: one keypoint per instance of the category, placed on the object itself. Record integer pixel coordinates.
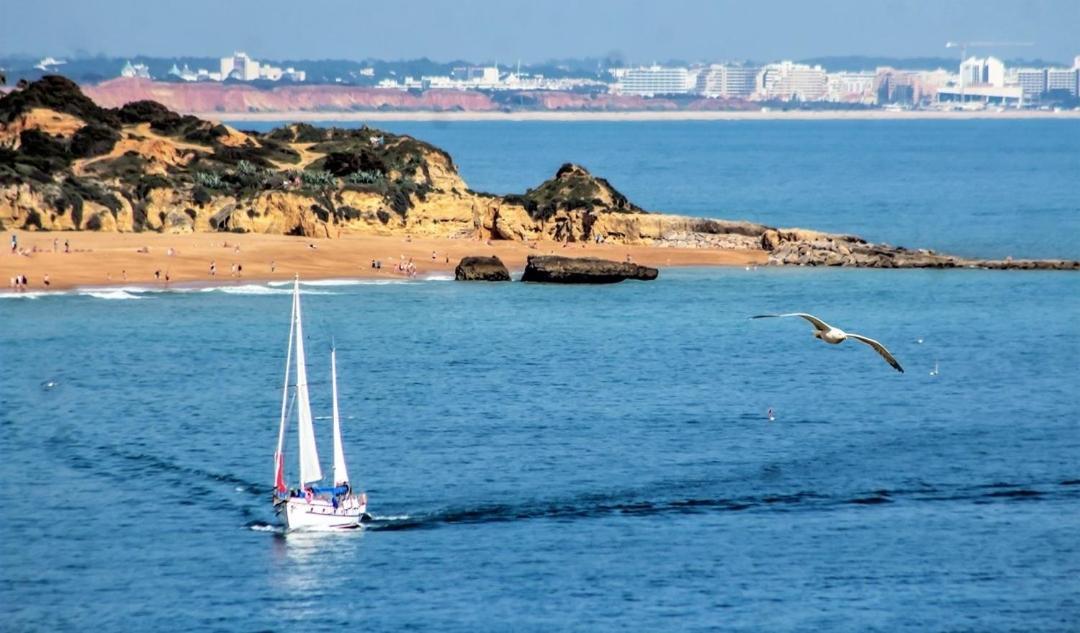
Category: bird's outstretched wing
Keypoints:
(880, 350)
(819, 325)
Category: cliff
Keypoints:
(67, 163)
(216, 97)
(228, 98)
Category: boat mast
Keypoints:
(310, 470)
(279, 457)
(341, 472)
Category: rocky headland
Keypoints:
(66, 163)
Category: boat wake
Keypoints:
(591, 507)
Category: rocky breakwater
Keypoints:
(797, 247)
(583, 270)
(481, 269)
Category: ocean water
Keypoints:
(544, 458)
(973, 188)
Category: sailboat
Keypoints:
(309, 506)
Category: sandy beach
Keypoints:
(667, 115)
(118, 259)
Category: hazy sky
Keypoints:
(506, 30)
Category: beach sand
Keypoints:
(114, 259)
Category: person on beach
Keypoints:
(14, 243)
(232, 270)
(213, 268)
(55, 245)
(432, 255)
(273, 265)
(166, 276)
(67, 246)
(157, 275)
(123, 275)
(45, 280)
(239, 270)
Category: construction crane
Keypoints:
(963, 46)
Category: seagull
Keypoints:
(835, 336)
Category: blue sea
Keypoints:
(543, 458)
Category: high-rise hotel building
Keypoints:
(788, 81)
(728, 81)
(654, 80)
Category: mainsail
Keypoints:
(279, 456)
(309, 455)
(341, 472)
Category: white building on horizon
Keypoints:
(239, 66)
(852, 87)
(1032, 82)
(982, 71)
(653, 80)
(727, 81)
(788, 81)
(141, 71)
(1062, 80)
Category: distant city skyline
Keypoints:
(487, 30)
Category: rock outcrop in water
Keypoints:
(583, 270)
(67, 163)
(481, 269)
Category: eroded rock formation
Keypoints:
(583, 270)
(481, 269)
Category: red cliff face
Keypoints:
(213, 97)
(577, 101)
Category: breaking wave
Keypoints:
(34, 294)
(112, 295)
(258, 289)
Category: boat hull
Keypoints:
(319, 514)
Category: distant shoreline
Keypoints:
(667, 115)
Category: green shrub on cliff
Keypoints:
(364, 178)
(208, 180)
(572, 189)
(93, 140)
(55, 93)
(318, 179)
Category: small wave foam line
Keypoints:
(33, 294)
(111, 295)
(259, 289)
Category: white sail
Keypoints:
(309, 455)
(279, 461)
(341, 472)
